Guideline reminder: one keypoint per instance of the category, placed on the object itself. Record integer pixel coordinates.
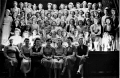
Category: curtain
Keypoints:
(2, 12)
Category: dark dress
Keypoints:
(36, 60)
(12, 52)
(70, 60)
(48, 52)
(81, 50)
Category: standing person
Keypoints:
(11, 53)
(81, 54)
(47, 56)
(36, 56)
(25, 53)
(58, 58)
(70, 57)
(6, 28)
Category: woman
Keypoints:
(11, 52)
(6, 28)
(36, 55)
(25, 53)
(70, 57)
(58, 58)
(81, 54)
(47, 56)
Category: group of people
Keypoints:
(97, 25)
(56, 38)
(34, 57)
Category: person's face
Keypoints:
(25, 4)
(80, 41)
(54, 6)
(11, 41)
(96, 14)
(54, 24)
(69, 41)
(59, 42)
(26, 42)
(81, 13)
(99, 5)
(113, 12)
(29, 6)
(21, 5)
(34, 7)
(62, 6)
(108, 21)
(105, 11)
(38, 42)
(17, 33)
(7, 12)
(80, 23)
(78, 5)
(88, 23)
(34, 32)
(16, 22)
(15, 3)
(49, 42)
(49, 6)
(84, 4)
(96, 21)
(87, 15)
(69, 6)
(89, 6)
(40, 6)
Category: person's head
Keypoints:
(21, 5)
(47, 23)
(84, 4)
(96, 13)
(17, 32)
(106, 11)
(11, 41)
(81, 12)
(108, 21)
(65, 13)
(15, 3)
(25, 34)
(37, 42)
(72, 21)
(88, 22)
(49, 5)
(48, 41)
(26, 41)
(25, 4)
(113, 11)
(29, 5)
(70, 5)
(59, 42)
(62, 6)
(34, 7)
(87, 14)
(69, 40)
(80, 41)
(54, 6)
(7, 12)
(99, 5)
(40, 6)
(34, 32)
(77, 5)
(94, 6)
(80, 23)
(89, 5)
(48, 15)
(63, 24)
(76, 12)
(96, 21)
(37, 14)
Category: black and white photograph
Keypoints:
(59, 39)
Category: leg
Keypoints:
(80, 68)
(55, 73)
(49, 72)
(69, 73)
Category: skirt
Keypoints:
(25, 65)
(47, 63)
(11, 63)
(69, 61)
(58, 63)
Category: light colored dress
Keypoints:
(6, 28)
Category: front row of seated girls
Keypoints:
(58, 58)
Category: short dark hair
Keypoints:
(49, 39)
(70, 38)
